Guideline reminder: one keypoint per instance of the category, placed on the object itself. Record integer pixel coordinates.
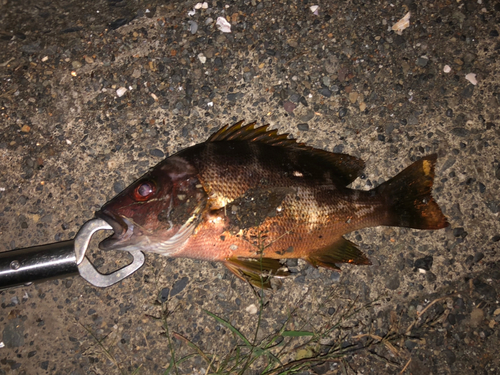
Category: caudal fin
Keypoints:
(409, 198)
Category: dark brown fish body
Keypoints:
(252, 194)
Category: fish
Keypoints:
(251, 198)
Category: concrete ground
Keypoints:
(93, 93)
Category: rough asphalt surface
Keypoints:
(93, 93)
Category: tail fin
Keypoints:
(409, 197)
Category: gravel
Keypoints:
(338, 80)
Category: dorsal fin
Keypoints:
(348, 167)
(240, 132)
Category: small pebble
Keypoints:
(424, 263)
(251, 309)
(335, 276)
(335, 89)
(460, 132)
(157, 152)
(179, 286)
(76, 64)
(410, 345)
(303, 127)
(459, 232)
(202, 58)
(392, 283)
(136, 73)
(471, 77)
(289, 106)
(342, 112)
(325, 92)
(422, 61)
(118, 186)
(164, 295)
(121, 91)
(446, 69)
(193, 27)
(223, 25)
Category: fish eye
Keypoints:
(144, 191)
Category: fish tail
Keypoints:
(408, 194)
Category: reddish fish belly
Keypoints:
(295, 233)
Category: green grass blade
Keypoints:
(195, 347)
(297, 333)
(174, 363)
(231, 328)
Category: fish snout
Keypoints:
(122, 228)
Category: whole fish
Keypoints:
(249, 197)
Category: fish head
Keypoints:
(158, 212)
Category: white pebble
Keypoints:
(471, 77)
(202, 58)
(121, 91)
(446, 69)
(314, 8)
(252, 309)
(201, 5)
(402, 24)
(223, 25)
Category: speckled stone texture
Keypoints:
(93, 93)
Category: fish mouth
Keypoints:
(122, 228)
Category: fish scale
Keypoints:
(249, 198)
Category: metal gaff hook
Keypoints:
(60, 259)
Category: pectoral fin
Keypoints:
(258, 271)
(341, 251)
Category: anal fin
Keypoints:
(257, 271)
(341, 251)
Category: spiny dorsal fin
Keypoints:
(240, 132)
(347, 167)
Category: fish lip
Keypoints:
(121, 227)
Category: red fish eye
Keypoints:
(144, 191)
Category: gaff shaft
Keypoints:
(38, 263)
